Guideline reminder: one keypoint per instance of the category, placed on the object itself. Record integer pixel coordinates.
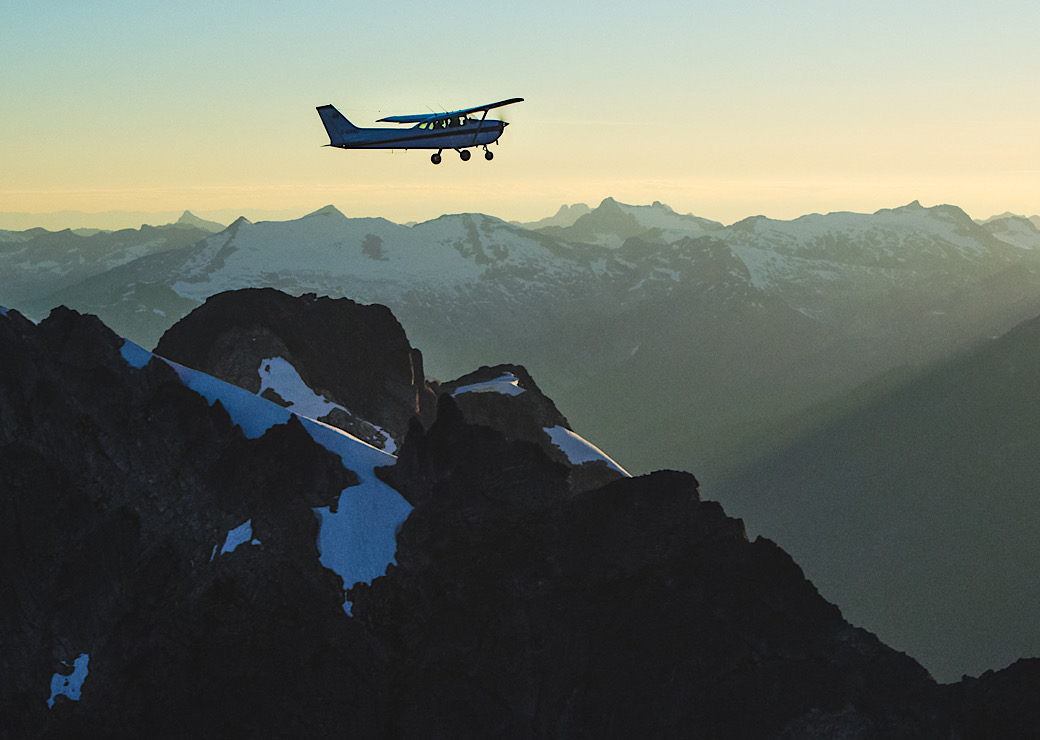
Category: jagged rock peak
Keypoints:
(454, 455)
(351, 361)
(506, 398)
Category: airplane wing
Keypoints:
(423, 117)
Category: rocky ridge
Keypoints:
(356, 358)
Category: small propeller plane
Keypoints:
(440, 131)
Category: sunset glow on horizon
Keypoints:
(724, 111)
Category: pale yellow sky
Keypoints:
(725, 112)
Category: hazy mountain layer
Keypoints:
(702, 327)
(914, 505)
(38, 262)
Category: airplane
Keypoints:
(440, 131)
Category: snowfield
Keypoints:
(578, 450)
(358, 540)
(507, 384)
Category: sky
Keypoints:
(722, 109)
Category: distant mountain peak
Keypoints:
(954, 212)
(190, 219)
(576, 207)
(329, 210)
(908, 208)
(564, 217)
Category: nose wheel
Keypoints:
(488, 154)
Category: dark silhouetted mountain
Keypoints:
(176, 549)
(353, 362)
(507, 399)
(623, 614)
(275, 345)
(118, 485)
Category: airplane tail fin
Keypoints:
(339, 128)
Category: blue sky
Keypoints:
(723, 110)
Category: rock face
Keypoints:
(118, 487)
(355, 357)
(159, 572)
(635, 610)
(506, 398)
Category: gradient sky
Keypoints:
(722, 109)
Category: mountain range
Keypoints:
(185, 556)
(674, 341)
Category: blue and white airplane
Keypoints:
(440, 131)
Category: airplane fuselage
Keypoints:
(440, 131)
(472, 132)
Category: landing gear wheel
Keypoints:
(464, 154)
(436, 158)
(489, 155)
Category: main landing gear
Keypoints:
(464, 155)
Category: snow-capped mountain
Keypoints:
(38, 262)
(754, 321)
